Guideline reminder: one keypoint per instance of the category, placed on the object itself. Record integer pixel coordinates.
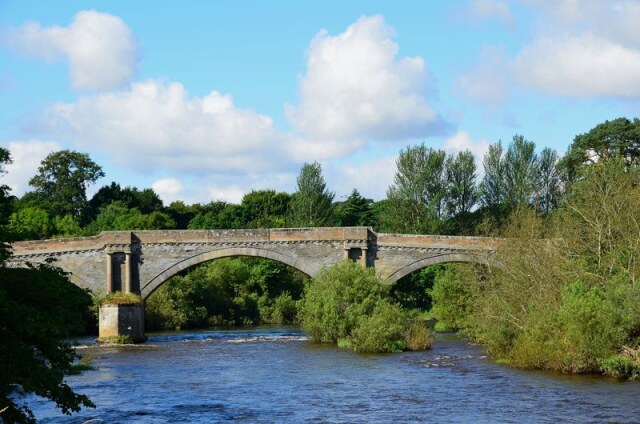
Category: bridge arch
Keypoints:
(434, 260)
(161, 278)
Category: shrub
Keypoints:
(454, 294)
(380, 331)
(621, 366)
(347, 304)
(284, 310)
(120, 298)
(418, 337)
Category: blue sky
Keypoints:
(206, 100)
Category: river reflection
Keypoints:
(274, 375)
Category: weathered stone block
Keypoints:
(118, 321)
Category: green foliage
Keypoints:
(120, 298)
(549, 185)
(181, 213)
(381, 330)
(311, 204)
(283, 311)
(356, 211)
(66, 226)
(517, 178)
(121, 339)
(520, 171)
(348, 303)
(620, 366)
(146, 201)
(117, 217)
(62, 180)
(619, 138)
(455, 291)
(416, 197)
(413, 291)
(493, 185)
(220, 215)
(30, 223)
(266, 208)
(38, 307)
(418, 337)
(565, 294)
(462, 193)
(229, 291)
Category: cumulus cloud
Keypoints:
(371, 177)
(154, 125)
(99, 48)
(586, 48)
(356, 88)
(26, 156)
(584, 65)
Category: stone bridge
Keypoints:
(141, 261)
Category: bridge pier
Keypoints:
(121, 323)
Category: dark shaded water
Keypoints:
(273, 375)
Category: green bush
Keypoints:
(284, 310)
(454, 293)
(418, 337)
(380, 331)
(120, 298)
(348, 305)
(227, 292)
(621, 366)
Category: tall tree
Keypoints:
(356, 211)
(520, 171)
(416, 198)
(38, 308)
(617, 138)
(548, 184)
(62, 181)
(5, 207)
(311, 203)
(492, 187)
(266, 208)
(462, 192)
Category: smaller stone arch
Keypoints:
(161, 278)
(434, 260)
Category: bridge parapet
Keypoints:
(437, 242)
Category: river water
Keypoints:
(274, 375)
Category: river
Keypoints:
(274, 375)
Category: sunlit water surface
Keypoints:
(274, 375)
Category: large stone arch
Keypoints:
(434, 260)
(161, 278)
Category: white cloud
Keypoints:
(578, 48)
(580, 66)
(153, 125)
(371, 177)
(357, 89)
(486, 9)
(99, 48)
(484, 83)
(169, 189)
(26, 156)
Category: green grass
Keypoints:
(120, 298)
